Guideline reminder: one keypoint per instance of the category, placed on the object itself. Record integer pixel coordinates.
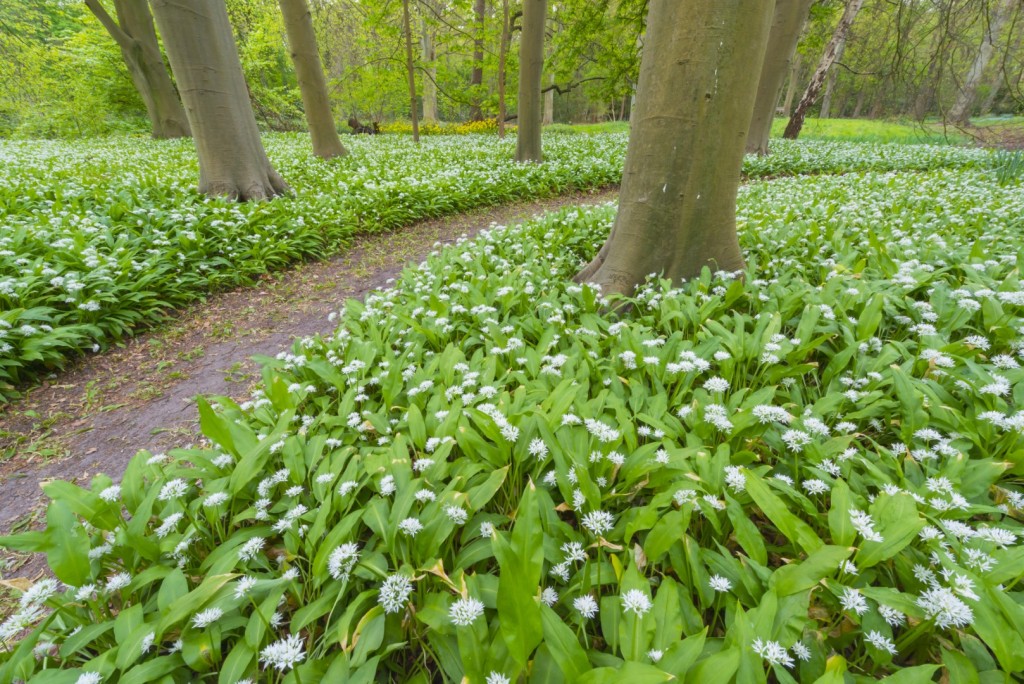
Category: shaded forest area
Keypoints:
(64, 75)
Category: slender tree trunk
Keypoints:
(926, 94)
(531, 64)
(677, 203)
(298, 24)
(429, 55)
(787, 21)
(135, 35)
(502, 78)
(796, 122)
(794, 80)
(878, 102)
(476, 78)
(549, 103)
(830, 83)
(410, 70)
(861, 97)
(201, 49)
(961, 111)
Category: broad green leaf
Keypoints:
(794, 529)
(67, 545)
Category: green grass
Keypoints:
(866, 130)
(851, 130)
(606, 127)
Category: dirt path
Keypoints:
(95, 417)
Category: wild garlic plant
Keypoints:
(485, 474)
(99, 238)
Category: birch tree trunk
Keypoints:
(832, 51)
(787, 21)
(961, 111)
(298, 24)
(830, 84)
(677, 203)
(531, 64)
(410, 70)
(203, 56)
(135, 35)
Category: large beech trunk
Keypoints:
(961, 111)
(832, 52)
(531, 65)
(787, 21)
(298, 24)
(203, 56)
(677, 203)
(135, 34)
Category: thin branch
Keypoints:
(116, 32)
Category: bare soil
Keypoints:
(93, 418)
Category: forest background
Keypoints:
(63, 75)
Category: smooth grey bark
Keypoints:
(135, 35)
(410, 70)
(794, 78)
(298, 24)
(502, 57)
(787, 21)
(204, 59)
(476, 77)
(695, 98)
(531, 66)
(832, 50)
(428, 53)
(548, 116)
(961, 110)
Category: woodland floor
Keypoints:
(94, 417)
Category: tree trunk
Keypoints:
(926, 94)
(999, 77)
(961, 111)
(135, 35)
(794, 79)
(429, 55)
(476, 78)
(878, 103)
(832, 50)
(502, 57)
(298, 24)
(677, 203)
(531, 64)
(787, 21)
(201, 49)
(861, 97)
(830, 84)
(410, 70)
(548, 117)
